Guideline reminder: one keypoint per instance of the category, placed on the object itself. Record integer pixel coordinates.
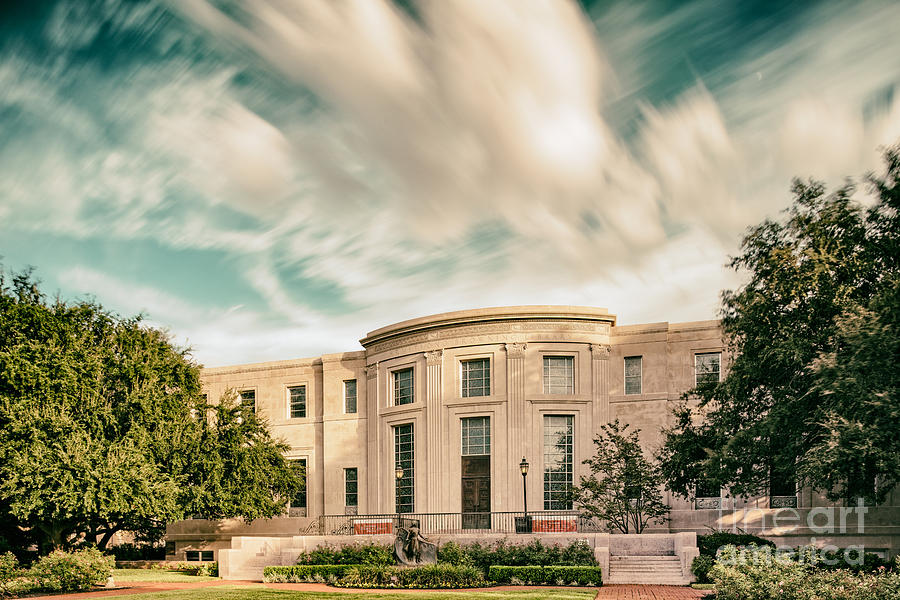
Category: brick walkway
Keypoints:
(648, 592)
(607, 592)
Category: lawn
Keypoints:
(259, 593)
(163, 576)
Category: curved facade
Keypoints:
(458, 399)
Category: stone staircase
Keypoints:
(659, 570)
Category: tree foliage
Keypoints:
(624, 488)
(812, 391)
(97, 428)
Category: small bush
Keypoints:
(9, 573)
(72, 571)
(306, 573)
(357, 554)
(127, 552)
(701, 566)
(709, 544)
(438, 576)
(578, 553)
(545, 575)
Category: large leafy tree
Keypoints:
(812, 391)
(102, 428)
(624, 488)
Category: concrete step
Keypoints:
(661, 570)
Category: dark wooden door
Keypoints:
(476, 492)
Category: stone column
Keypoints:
(599, 385)
(516, 411)
(434, 445)
(374, 459)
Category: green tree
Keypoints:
(96, 427)
(811, 392)
(624, 488)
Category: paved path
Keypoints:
(607, 592)
(648, 592)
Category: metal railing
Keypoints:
(445, 523)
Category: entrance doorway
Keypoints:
(476, 492)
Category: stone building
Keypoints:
(456, 400)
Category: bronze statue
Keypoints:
(411, 548)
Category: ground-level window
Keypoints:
(633, 373)
(350, 396)
(299, 501)
(476, 436)
(559, 445)
(351, 487)
(475, 377)
(559, 374)
(404, 458)
(707, 367)
(298, 401)
(199, 555)
(248, 399)
(403, 387)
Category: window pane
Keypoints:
(206, 555)
(403, 387)
(559, 374)
(299, 501)
(476, 377)
(404, 457)
(298, 401)
(248, 399)
(633, 367)
(350, 396)
(559, 434)
(476, 436)
(707, 367)
(351, 487)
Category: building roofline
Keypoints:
(487, 315)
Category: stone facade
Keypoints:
(560, 362)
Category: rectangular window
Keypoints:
(403, 387)
(476, 436)
(298, 401)
(633, 374)
(299, 501)
(404, 458)
(475, 377)
(199, 555)
(248, 399)
(350, 396)
(559, 374)
(351, 487)
(559, 445)
(707, 366)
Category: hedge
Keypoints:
(551, 575)
(437, 576)
(578, 553)
(355, 554)
(306, 573)
(710, 543)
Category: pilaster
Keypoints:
(516, 415)
(373, 464)
(600, 385)
(434, 383)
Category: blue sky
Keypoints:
(271, 180)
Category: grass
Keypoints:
(162, 576)
(260, 593)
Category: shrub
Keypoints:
(550, 575)
(749, 574)
(709, 544)
(203, 569)
(72, 571)
(9, 572)
(438, 576)
(578, 553)
(306, 573)
(127, 552)
(701, 566)
(357, 554)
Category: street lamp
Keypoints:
(523, 467)
(523, 523)
(398, 473)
